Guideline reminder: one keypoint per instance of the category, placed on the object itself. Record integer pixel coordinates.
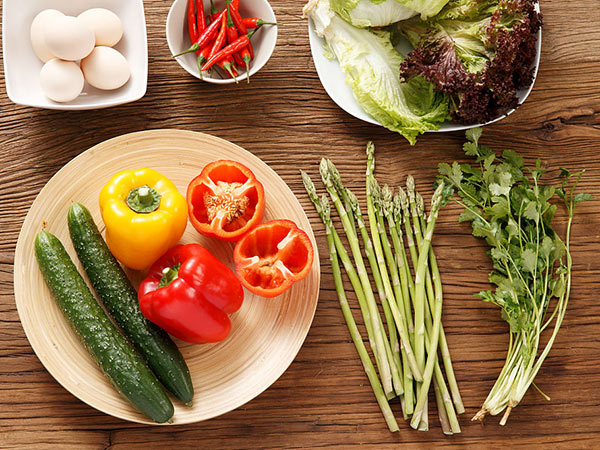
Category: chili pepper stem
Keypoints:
(199, 63)
(246, 60)
(193, 48)
(227, 67)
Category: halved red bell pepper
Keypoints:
(189, 294)
(272, 257)
(225, 201)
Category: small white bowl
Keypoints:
(22, 67)
(334, 81)
(263, 41)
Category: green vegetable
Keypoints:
(333, 242)
(396, 288)
(120, 298)
(353, 209)
(372, 68)
(400, 318)
(379, 334)
(368, 13)
(426, 8)
(478, 52)
(119, 361)
(532, 265)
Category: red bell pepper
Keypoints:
(272, 257)
(225, 201)
(189, 294)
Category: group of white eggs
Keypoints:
(60, 41)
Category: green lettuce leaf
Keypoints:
(426, 8)
(371, 13)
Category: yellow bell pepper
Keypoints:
(144, 215)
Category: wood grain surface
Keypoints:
(285, 117)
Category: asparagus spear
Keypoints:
(404, 274)
(379, 334)
(343, 255)
(400, 322)
(355, 334)
(353, 211)
(442, 414)
(420, 271)
(395, 345)
(405, 203)
(445, 351)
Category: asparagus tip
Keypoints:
(370, 158)
(410, 184)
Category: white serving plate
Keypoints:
(22, 67)
(333, 80)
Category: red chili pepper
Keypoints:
(255, 22)
(200, 18)
(234, 47)
(189, 294)
(237, 20)
(220, 40)
(208, 35)
(214, 12)
(191, 22)
(245, 54)
(202, 58)
(232, 35)
(236, 4)
(228, 66)
(272, 257)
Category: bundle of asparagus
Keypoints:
(406, 355)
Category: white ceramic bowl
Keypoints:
(333, 80)
(22, 67)
(263, 41)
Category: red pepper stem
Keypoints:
(229, 20)
(170, 274)
(260, 23)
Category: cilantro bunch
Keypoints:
(511, 209)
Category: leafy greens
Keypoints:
(372, 68)
(478, 52)
(368, 13)
(531, 263)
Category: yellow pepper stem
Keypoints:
(143, 199)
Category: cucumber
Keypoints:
(120, 298)
(119, 361)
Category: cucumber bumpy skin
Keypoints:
(120, 298)
(118, 360)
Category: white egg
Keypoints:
(38, 26)
(69, 38)
(62, 81)
(105, 24)
(106, 68)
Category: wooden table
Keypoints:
(285, 117)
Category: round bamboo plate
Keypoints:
(266, 333)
